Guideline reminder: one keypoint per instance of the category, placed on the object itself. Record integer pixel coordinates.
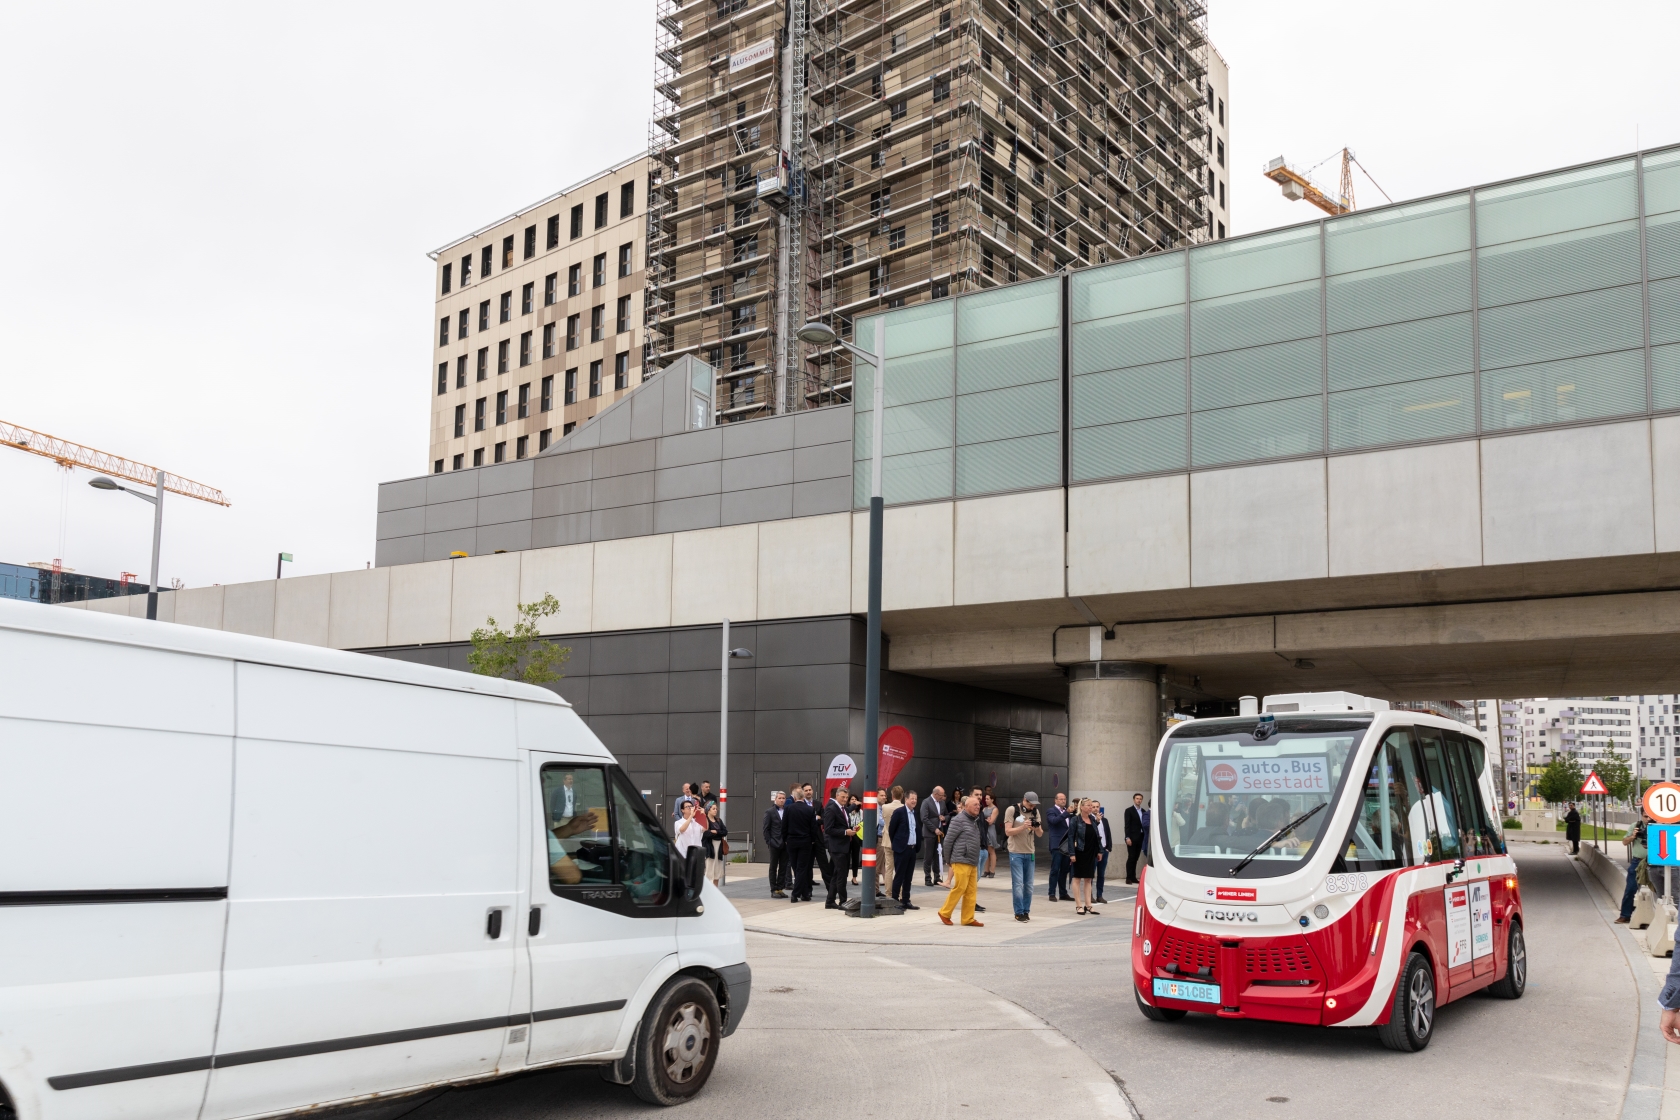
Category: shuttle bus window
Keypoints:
(1478, 836)
(644, 855)
(1432, 746)
(579, 826)
(1380, 836)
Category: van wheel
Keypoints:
(1412, 1021)
(677, 1044)
(1158, 1014)
(1516, 966)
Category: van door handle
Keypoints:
(534, 926)
(494, 927)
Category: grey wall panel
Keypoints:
(505, 478)
(613, 423)
(557, 470)
(1055, 751)
(551, 501)
(681, 514)
(755, 437)
(402, 495)
(746, 472)
(686, 481)
(803, 686)
(576, 668)
(589, 435)
(575, 691)
(629, 694)
(691, 447)
(824, 460)
(701, 647)
(511, 536)
(499, 508)
(825, 495)
(817, 642)
(642, 734)
(770, 503)
(451, 515)
(440, 545)
(694, 748)
(697, 690)
(571, 528)
(626, 458)
(621, 490)
(451, 487)
(647, 408)
(625, 521)
(824, 731)
(822, 425)
(400, 523)
(640, 651)
(399, 550)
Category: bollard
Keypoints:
(1645, 911)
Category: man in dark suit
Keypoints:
(904, 835)
(775, 842)
(1134, 837)
(837, 835)
(930, 824)
(1105, 833)
(1056, 821)
(800, 833)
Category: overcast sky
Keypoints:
(218, 214)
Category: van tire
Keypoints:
(1515, 981)
(1158, 1014)
(677, 1043)
(1411, 1022)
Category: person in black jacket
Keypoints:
(903, 833)
(799, 827)
(771, 829)
(837, 834)
(1106, 831)
(1572, 829)
(1134, 837)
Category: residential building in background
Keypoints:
(1655, 716)
(1219, 169)
(815, 162)
(537, 321)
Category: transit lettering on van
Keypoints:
(340, 878)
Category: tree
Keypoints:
(1613, 771)
(1561, 780)
(522, 655)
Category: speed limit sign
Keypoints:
(1662, 803)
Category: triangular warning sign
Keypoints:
(1593, 784)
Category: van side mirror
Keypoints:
(694, 872)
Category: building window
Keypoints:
(443, 378)
(542, 439)
(599, 273)
(574, 280)
(1222, 231)
(478, 456)
(525, 400)
(526, 295)
(530, 242)
(443, 331)
(624, 258)
(941, 222)
(437, 466)
(461, 372)
(466, 314)
(507, 307)
(895, 238)
(519, 448)
(548, 393)
(597, 316)
(460, 421)
(501, 408)
(548, 340)
(447, 269)
(484, 316)
(487, 261)
(483, 362)
(525, 349)
(457, 463)
(1220, 147)
(627, 200)
(600, 210)
(1222, 194)
(554, 232)
(621, 370)
(566, 429)
(577, 221)
(466, 270)
(571, 386)
(507, 251)
(479, 413)
(502, 356)
(623, 314)
(1221, 111)
(595, 378)
(551, 288)
(572, 332)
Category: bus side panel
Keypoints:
(1350, 949)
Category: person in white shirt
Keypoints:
(691, 830)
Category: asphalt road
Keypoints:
(1047, 1022)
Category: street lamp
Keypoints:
(736, 654)
(104, 483)
(817, 333)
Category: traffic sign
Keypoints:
(1593, 784)
(1662, 803)
(1662, 843)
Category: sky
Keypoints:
(219, 214)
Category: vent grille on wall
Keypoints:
(1003, 744)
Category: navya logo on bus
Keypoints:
(1306, 774)
(1231, 915)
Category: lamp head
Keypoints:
(104, 483)
(817, 333)
(741, 653)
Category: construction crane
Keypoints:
(1298, 185)
(67, 454)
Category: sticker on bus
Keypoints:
(1458, 925)
(1481, 919)
(1187, 990)
(1286, 774)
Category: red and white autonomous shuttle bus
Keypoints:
(1330, 862)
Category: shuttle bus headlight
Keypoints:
(1321, 911)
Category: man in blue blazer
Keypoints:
(904, 835)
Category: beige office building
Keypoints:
(1219, 166)
(537, 324)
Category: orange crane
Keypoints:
(67, 454)
(1298, 185)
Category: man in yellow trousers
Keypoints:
(962, 853)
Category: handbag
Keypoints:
(723, 849)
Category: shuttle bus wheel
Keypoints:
(1411, 1023)
(678, 1042)
(1158, 1014)
(1516, 966)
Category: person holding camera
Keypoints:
(1022, 825)
(1634, 842)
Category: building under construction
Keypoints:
(821, 158)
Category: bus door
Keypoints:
(1479, 841)
(1456, 942)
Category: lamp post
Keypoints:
(723, 723)
(818, 333)
(104, 483)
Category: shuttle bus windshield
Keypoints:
(1230, 797)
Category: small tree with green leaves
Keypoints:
(1561, 780)
(1613, 771)
(523, 655)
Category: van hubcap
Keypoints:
(1423, 1004)
(688, 1042)
(1519, 960)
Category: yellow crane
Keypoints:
(1298, 185)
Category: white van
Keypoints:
(242, 877)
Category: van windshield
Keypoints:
(1226, 792)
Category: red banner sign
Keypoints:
(897, 748)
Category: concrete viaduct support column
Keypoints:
(1113, 728)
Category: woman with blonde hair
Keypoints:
(1086, 841)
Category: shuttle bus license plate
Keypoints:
(1187, 989)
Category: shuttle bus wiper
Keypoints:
(1275, 837)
